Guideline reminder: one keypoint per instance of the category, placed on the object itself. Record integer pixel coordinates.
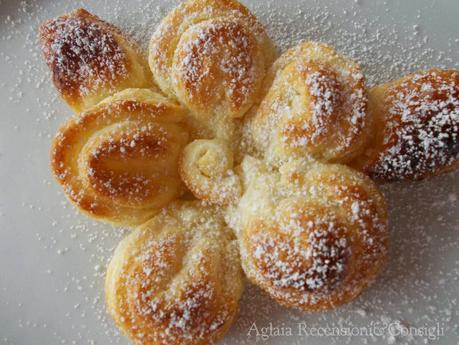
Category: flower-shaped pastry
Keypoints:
(278, 156)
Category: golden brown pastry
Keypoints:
(312, 236)
(211, 55)
(118, 161)
(90, 59)
(416, 127)
(206, 168)
(315, 107)
(176, 280)
(311, 233)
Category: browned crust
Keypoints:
(84, 174)
(167, 36)
(343, 226)
(196, 55)
(90, 59)
(416, 132)
(312, 108)
(198, 69)
(175, 283)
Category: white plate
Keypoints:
(52, 259)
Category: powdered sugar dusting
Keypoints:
(325, 254)
(316, 106)
(422, 134)
(420, 286)
(218, 51)
(206, 168)
(166, 281)
(82, 54)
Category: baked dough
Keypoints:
(212, 56)
(312, 236)
(261, 142)
(315, 107)
(416, 127)
(118, 161)
(176, 280)
(90, 59)
(206, 168)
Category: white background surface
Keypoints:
(52, 260)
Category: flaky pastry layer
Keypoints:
(212, 56)
(315, 107)
(312, 236)
(118, 161)
(416, 127)
(90, 59)
(176, 280)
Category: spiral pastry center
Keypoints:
(206, 168)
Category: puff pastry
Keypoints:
(90, 59)
(315, 107)
(118, 161)
(261, 142)
(206, 168)
(211, 55)
(416, 127)
(312, 236)
(176, 279)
